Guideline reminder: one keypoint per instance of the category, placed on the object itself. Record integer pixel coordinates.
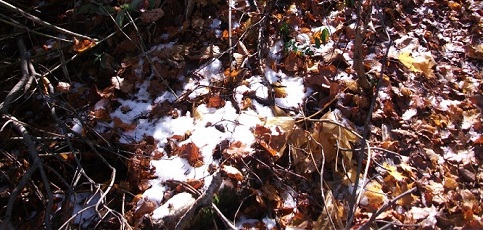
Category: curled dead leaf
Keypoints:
(191, 152)
(232, 172)
(63, 87)
(81, 46)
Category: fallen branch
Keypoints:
(23, 83)
(28, 74)
(35, 165)
(204, 200)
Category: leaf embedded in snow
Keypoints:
(236, 149)
(191, 152)
(215, 101)
(118, 123)
(232, 172)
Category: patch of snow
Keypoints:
(270, 223)
(101, 104)
(276, 50)
(77, 127)
(296, 93)
(409, 114)
(84, 208)
(215, 25)
(212, 70)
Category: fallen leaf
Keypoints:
(418, 62)
(392, 170)
(152, 15)
(280, 90)
(373, 196)
(236, 149)
(63, 87)
(232, 172)
(191, 152)
(81, 46)
(118, 123)
(215, 101)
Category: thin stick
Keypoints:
(385, 206)
(366, 132)
(40, 21)
(230, 44)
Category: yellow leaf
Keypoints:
(450, 182)
(374, 194)
(406, 59)
(280, 90)
(420, 62)
(392, 170)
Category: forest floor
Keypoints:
(292, 115)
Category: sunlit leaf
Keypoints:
(392, 170)
(85, 44)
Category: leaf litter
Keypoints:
(286, 134)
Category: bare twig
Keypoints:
(35, 165)
(40, 21)
(202, 201)
(366, 132)
(28, 73)
(23, 83)
(386, 206)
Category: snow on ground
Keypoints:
(200, 124)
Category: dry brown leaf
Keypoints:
(152, 15)
(273, 143)
(118, 123)
(63, 87)
(195, 183)
(280, 90)
(81, 46)
(450, 182)
(101, 115)
(293, 62)
(408, 199)
(191, 152)
(215, 101)
(232, 172)
(373, 197)
(236, 149)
